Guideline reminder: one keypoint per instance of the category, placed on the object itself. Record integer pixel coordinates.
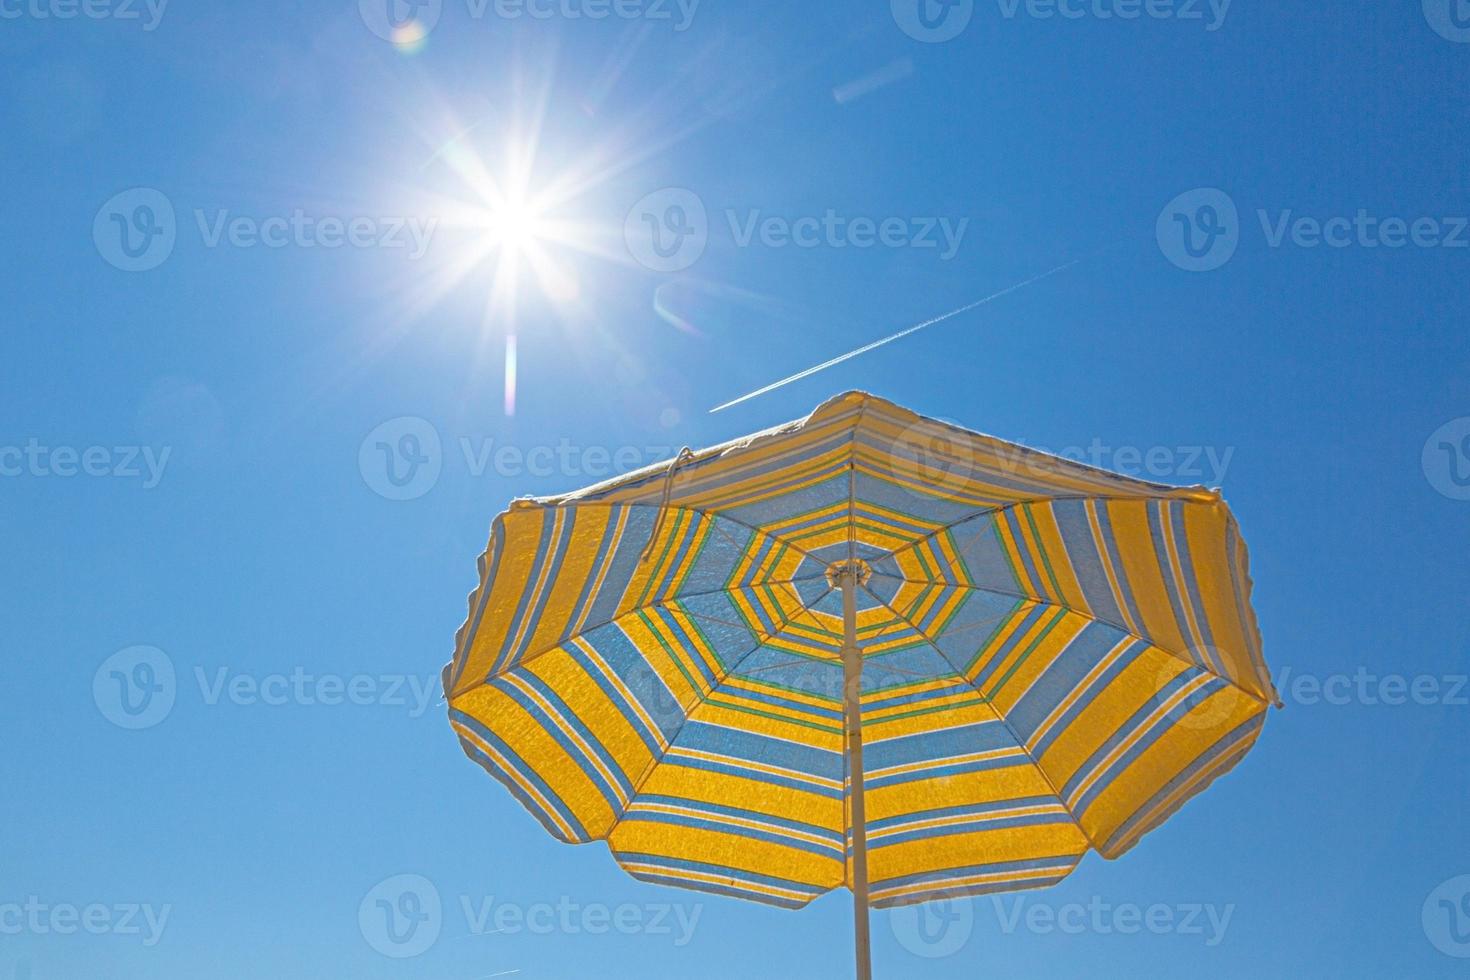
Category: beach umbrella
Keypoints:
(866, 649)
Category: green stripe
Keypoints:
(673, 655)
(1041, 548)
(816, 726)
(1057, 617)
(682, 515)
(964, 703)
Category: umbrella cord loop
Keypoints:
(663, 505)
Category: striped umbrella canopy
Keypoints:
(865, 649)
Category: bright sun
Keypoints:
(517, 225)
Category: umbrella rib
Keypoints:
(1020, 744)
(1002, 508)
(852, 483)
(755, 585)
(715, 519)
(1093, 618)
(689, 714)
(949, 563)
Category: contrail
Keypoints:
(890, 339)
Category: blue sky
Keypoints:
(320, 225)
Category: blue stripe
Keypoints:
(977, 825)
(1228, 743)
(625, 708)
(1192, 592)
(1018, 636)
(555, 729)
(1042, 866)
(526, 772)
(543, 544)
(970, 809)
(490, 559)
(773, 779)
(945, 772)
(1155, 512)
(603, 558)
(1151, 736)
(730, 886)
(833, 845)
(1115, 558)
(924, 746)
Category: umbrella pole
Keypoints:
(852, 671)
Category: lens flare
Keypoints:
(409, 37)
(510, 375)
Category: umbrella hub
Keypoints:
(837, 569)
